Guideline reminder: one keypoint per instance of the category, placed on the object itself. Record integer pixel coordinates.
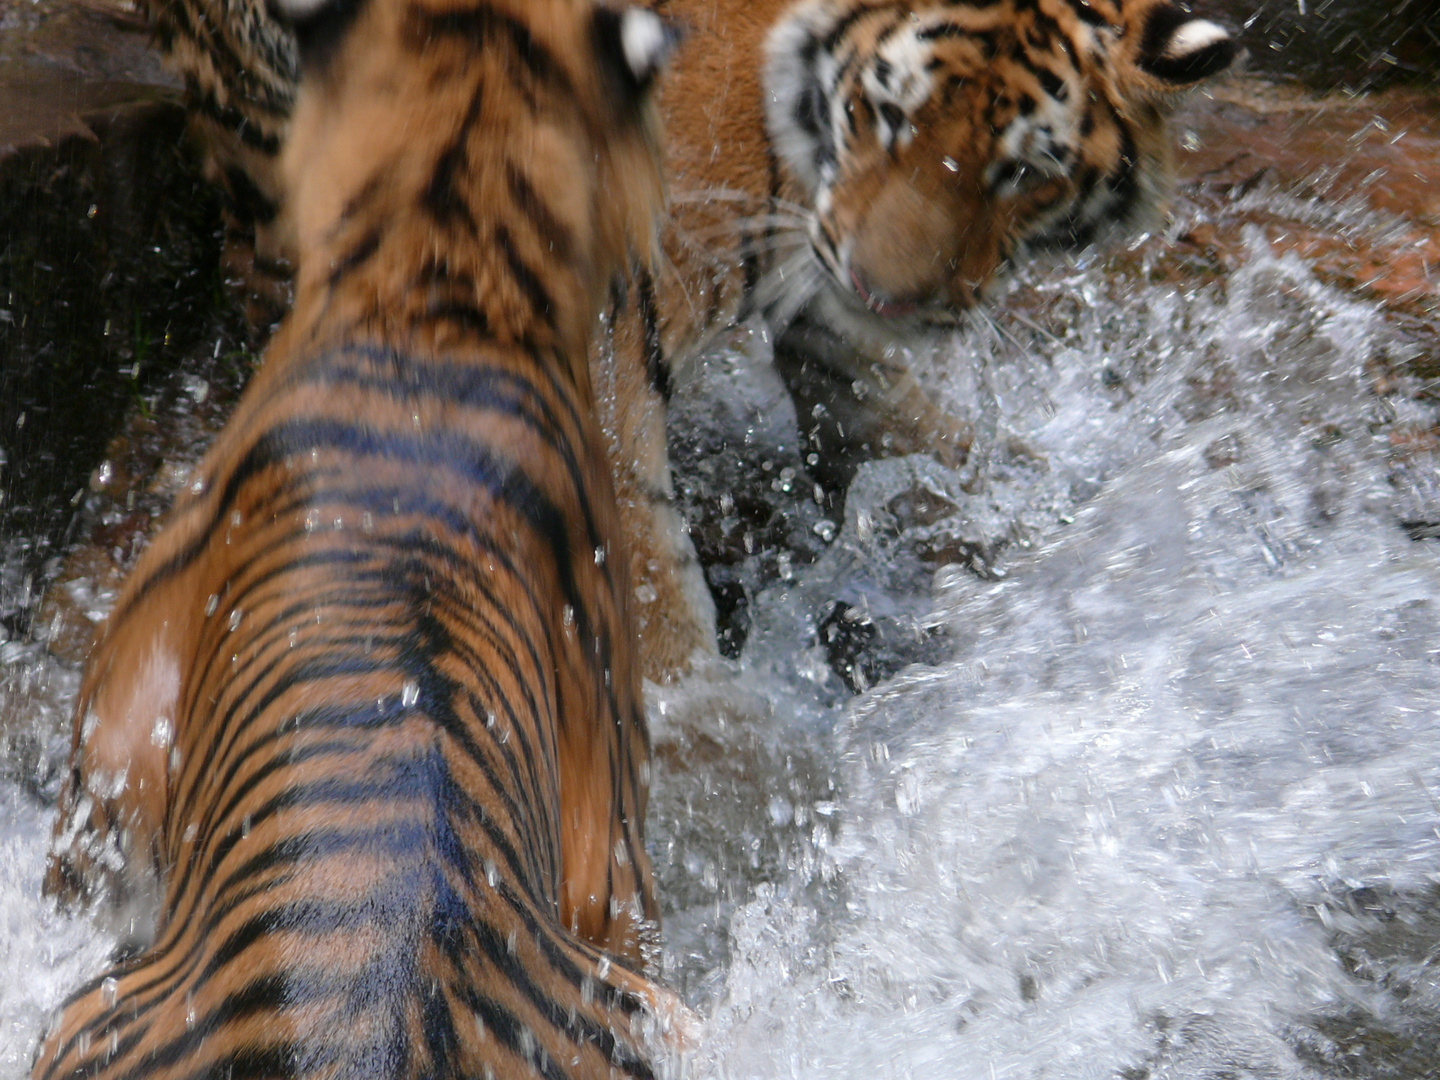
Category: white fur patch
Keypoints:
(645, 40)
(1195, 36)
(1046, 140)
(907, 84)
(787, 78)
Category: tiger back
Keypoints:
(367, 711)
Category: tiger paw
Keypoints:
(919, 427)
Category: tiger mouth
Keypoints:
(845, 281)
(889, 309)
(848, 283)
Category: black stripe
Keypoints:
(525, 277)
(850, 18)
(480, 25)
(481, 387)
(656, 370)
(356, 257)
(441, 196)
(548, 227)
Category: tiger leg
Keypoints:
(607, 892)
(108, 839)
(903, 416)
(674, 611)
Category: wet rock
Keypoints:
(108, 286)
(863, 651)
(63, 61)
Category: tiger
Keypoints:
(857, 173)
(367, 712)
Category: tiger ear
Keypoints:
(318, 24)
(1179, 49)
(634, 43)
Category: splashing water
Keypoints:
(1170, 806)
(1161, 798)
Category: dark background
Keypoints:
(1333, 44)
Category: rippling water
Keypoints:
(1158, 796)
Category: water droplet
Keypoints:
(780, 810)
(410, 693)
(235, 616)
(211, 603)
(109, 990)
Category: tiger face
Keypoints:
(936, 140)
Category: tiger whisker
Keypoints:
(705, 195)
(766, 230)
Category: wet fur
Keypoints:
(747, 234)
(752, 218)
(367, 712)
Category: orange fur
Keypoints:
(903, 245)
(372, 693)
(910, 231)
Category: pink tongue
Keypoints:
(879, 307)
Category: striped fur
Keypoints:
(240, 68)
(863, 169)
(367, 713)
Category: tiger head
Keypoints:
(428, 134)
(936, 138)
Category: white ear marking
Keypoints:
(1193, 37)
(645, 38)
